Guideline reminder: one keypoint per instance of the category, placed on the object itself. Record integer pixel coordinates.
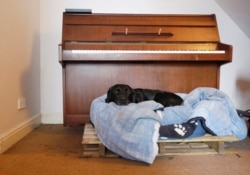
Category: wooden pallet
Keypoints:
(208, 144)
(92, 146)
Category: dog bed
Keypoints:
(132, 131)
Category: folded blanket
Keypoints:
(130, 131)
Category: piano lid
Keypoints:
(131, 33)
(139, 28)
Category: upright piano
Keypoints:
(169, 52)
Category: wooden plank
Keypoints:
(102, 150)
(206, 138)
(91, 147)
(87, 154)
(218, 146)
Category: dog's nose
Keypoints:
(123, 102)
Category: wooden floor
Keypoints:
(54, 149)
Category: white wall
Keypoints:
(235, 76)
(239, 12)
(51, 26)
(20, 63)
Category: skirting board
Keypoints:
(13, 135)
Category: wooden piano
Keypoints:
(170, 52)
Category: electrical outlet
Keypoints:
(21, 103)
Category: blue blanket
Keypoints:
(132, 131)
(214, 106)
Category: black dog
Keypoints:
(120, 94)
(123, 94)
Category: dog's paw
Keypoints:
(179, 129)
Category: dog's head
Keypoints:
(120, 94)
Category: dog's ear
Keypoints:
(107, 100)
(110, 95)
